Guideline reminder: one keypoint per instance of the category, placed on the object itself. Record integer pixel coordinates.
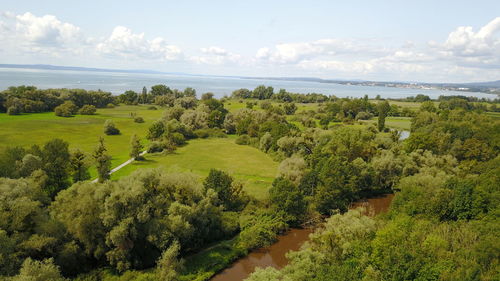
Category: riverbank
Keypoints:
(275, 255)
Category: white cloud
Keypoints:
(292, 53)
(46, 31)
(465, 53)
(124, 43)
(217, 56)
(214, 51)
(464, 42)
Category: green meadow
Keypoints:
(400, 123)
(81, 131)
(255, 169)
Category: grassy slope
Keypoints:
(81, 131)
(251, 166)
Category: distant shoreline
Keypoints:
(464, 88)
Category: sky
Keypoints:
(426, 41)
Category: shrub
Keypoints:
(162, 146)
(243, 140)
(362, 115)
(177, 139)
(110, 105)
(209, 133)
(138, 119)
(152, 107)
(13, 110)
(155, 146)
(67, 109)
(110, 128)
(87, 110)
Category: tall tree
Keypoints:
(55, 156)
(103, 161)
(383, 108)
(79, 166)
(135, 147)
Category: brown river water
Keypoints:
(274, 255)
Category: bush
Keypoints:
(110, 105)
(152, 107)
(209, 133)
(362, 115)
(110, 128)
(67, 109)
(161, 146)
(243, 140)
(138, 119)
(177, 139)
(87, 110)
(155, 146)
(13, 110)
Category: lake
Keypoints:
(118, 83)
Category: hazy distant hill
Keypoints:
(494, 84)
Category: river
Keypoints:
(274, 255)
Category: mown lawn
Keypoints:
(81, 131)
(255, 169)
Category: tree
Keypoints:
(292, 169)
(383, 108)
(87, 110)
(33, 270)
(79, 166)
(207, 96)
(160, 90)
(110, 128)
(286, 197)
(55, 158)
(103, 161)
(143, 97)
(129, 97)
(168, 265)
(190, 92)
(156, 130)
(229, 192)
(135, 147)
(29, 164)
(290, 108)
(67, 109)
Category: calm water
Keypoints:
(117, 83)
(274, 255)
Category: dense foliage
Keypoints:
(443, 223)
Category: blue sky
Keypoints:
(433, 41)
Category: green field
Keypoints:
(255, 169)
(81, 131)
(400, 123)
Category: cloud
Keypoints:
(291, 53)
(124, 43)
(46, 31)
(465, 53)
(464, 42)
(214, 51)
(217, 56)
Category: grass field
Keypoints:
(400, 123)
(255, 169)
(81, 131)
